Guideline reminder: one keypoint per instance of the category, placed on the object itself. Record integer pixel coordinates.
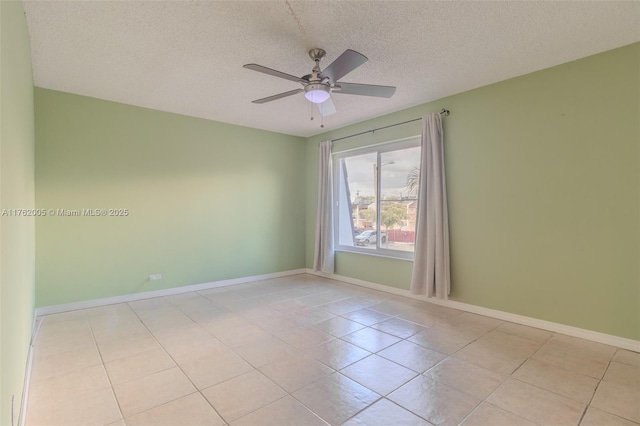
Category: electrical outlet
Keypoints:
(154, 277)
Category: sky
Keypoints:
(394, 176)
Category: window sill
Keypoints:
(365, 252)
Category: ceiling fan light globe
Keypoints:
(317, 96)
(317, 93)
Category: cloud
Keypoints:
(396, 165)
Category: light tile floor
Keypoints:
(303, 350)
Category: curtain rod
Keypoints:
(444, 111)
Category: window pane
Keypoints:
(399, 198)
(359, 213)
(356, 201)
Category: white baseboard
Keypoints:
(608, 339)
(582, 333)
(35, 326)
(66, 307)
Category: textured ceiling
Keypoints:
(186, 57)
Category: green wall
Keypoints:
(207, 201)
(543, 179)
(17, 241)
(543, 176)
(543, 183)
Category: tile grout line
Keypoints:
(507, 376)
(263, 301)
(104, 366)
(176, 365)
(256, 369)
(510, 375)
(100, 363)
(334, 372)
(375, 353)
(290, 394)
(584, 412)
(587, 404)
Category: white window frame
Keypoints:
(379, 149)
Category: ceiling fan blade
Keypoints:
(364, 90)
(280, 74)
(326, 108)
(278, 96)
(347, 62)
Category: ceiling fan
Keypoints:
(319, 85)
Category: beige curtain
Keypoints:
(323, 260)
(431, 272)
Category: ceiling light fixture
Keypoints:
(316, 92)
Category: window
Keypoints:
(376, 198)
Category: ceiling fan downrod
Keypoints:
(316, 54)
